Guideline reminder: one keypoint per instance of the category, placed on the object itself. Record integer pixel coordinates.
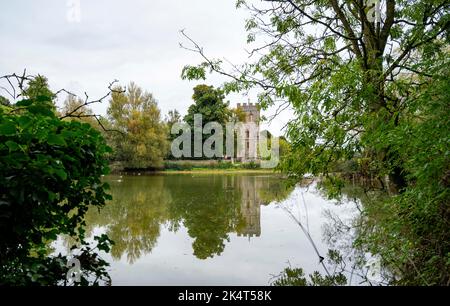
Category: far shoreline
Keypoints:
(196, 171)
(219, 171)
(194, 166)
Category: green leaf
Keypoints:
(25, 102)
(43, 98)
(24, 121)
(7, 129)
(40, 110)
(68, 134)
(12, 145)
(57, 140)
(61, 173)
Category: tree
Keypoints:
(50, 173)
(142, 142)
(285, 147)
(209, 103)
(172, 117)
(353, 74)
(79, 111)
(411, 232)
(340, 77)
(237, 115)
(4, 101)
(38, 89)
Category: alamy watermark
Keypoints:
(73, 14)
(74, 273)
(243, 141)
(374, 11)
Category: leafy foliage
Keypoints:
(142, 142)
(50, 174)
(4, 101)
(296, 276)
(367, 93)
(410, 230)
(208, 102)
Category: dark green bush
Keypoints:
(179, 166)
(250, 165)
(50, 174)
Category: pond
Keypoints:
(215, 229)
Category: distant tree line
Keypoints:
(137, 133)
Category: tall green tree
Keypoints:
(338, 65)
(353, 72)
(209, 103)
(410, 230)
(77, 109)
(142, 142)
(38, 89)
(173, 116)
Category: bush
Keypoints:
(179, 166)
(50, 173)
(197, 164)
(411, 229)
(223, 165)
(250, 165)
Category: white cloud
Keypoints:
(125, 40)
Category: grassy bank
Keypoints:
(217, 171)
(189, 165)
(195, 166)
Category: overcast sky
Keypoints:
(135, 40)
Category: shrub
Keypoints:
(50, 173)
(250, 165)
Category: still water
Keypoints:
(213, 229)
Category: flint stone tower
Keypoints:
(248, 134)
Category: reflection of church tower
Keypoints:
(250, 207)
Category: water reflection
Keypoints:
(235, 229)
(133, 218)
(210, 207)
(346, 262)
(249, 205)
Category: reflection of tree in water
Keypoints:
(206, 209)
(274, 190)
(134, 216)
(346, 263)
(343, 235)
(210, 207)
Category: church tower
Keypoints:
(248, 135)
